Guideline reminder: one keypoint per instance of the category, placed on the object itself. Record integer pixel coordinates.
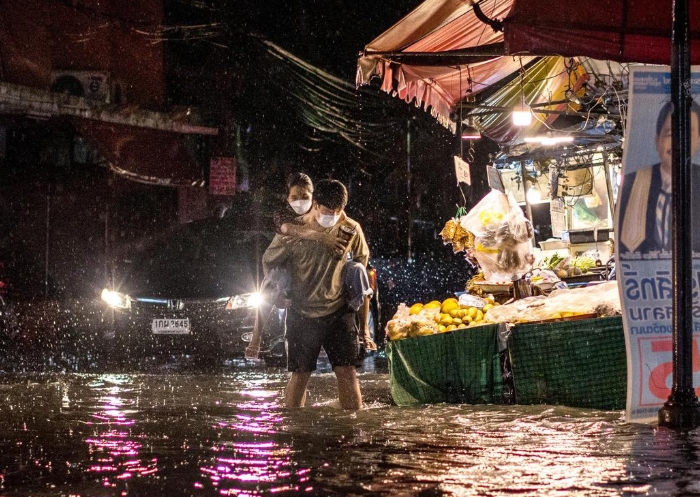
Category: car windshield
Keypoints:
(201, 260)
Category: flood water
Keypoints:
(175, 432)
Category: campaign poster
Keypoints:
(643, 244)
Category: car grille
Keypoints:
(209, 320)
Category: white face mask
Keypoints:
(300, 206)
(327, 220)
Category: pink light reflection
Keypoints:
(252, 461)
(116, 451)
(259, 394)
(259, 463)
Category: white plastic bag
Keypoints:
(503, 236)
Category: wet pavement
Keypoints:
(171, 429)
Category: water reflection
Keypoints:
(254, 458)
(227, 434)
(114, 449)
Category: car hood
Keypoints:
(202, 260)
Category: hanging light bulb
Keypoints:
(534, 195)
(469, 132)
(522, 115)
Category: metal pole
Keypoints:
(409, 238)
(47, 246)
(682, 409)
(526, 188)
(608, 184)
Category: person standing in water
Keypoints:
(289, 222)
(319, 316)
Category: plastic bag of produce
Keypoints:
(412, 325)
(591, 301)
(488, 213)
(502, 236)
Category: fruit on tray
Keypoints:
(436, 317)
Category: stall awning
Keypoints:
(619, 30)
(434, 28)
(442, 56)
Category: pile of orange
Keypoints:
(449, 315)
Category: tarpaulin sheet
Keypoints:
(443, 28)
(573, 363)
(437, 26)
(619, 30)
(144, 154)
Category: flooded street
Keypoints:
(173, 432)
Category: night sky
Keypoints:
(326, 33)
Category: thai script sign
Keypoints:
(643, 243)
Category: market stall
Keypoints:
(407, 56)
(567, 348)
(517, 334)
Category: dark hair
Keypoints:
(299, 179)
(666, 110)
(331, 193)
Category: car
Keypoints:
(196, 289)
(193, 290)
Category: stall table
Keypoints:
(578, 363)
(461, 366)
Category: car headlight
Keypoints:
(116, 299)
(245, 301)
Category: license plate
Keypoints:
(171, 326)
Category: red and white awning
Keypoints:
(441, 54)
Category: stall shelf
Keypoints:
(578, 363)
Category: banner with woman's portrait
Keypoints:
(643, 240)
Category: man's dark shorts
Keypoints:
(337, 333)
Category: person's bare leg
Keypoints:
(295, 394)
(363, 316)
(348, 387)
(252, 351)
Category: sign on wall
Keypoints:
(222, 176)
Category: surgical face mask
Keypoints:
(327, 220)
(301, 206)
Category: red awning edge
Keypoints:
(617, 30)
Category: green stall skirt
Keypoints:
(461, 366)
(573, 363)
